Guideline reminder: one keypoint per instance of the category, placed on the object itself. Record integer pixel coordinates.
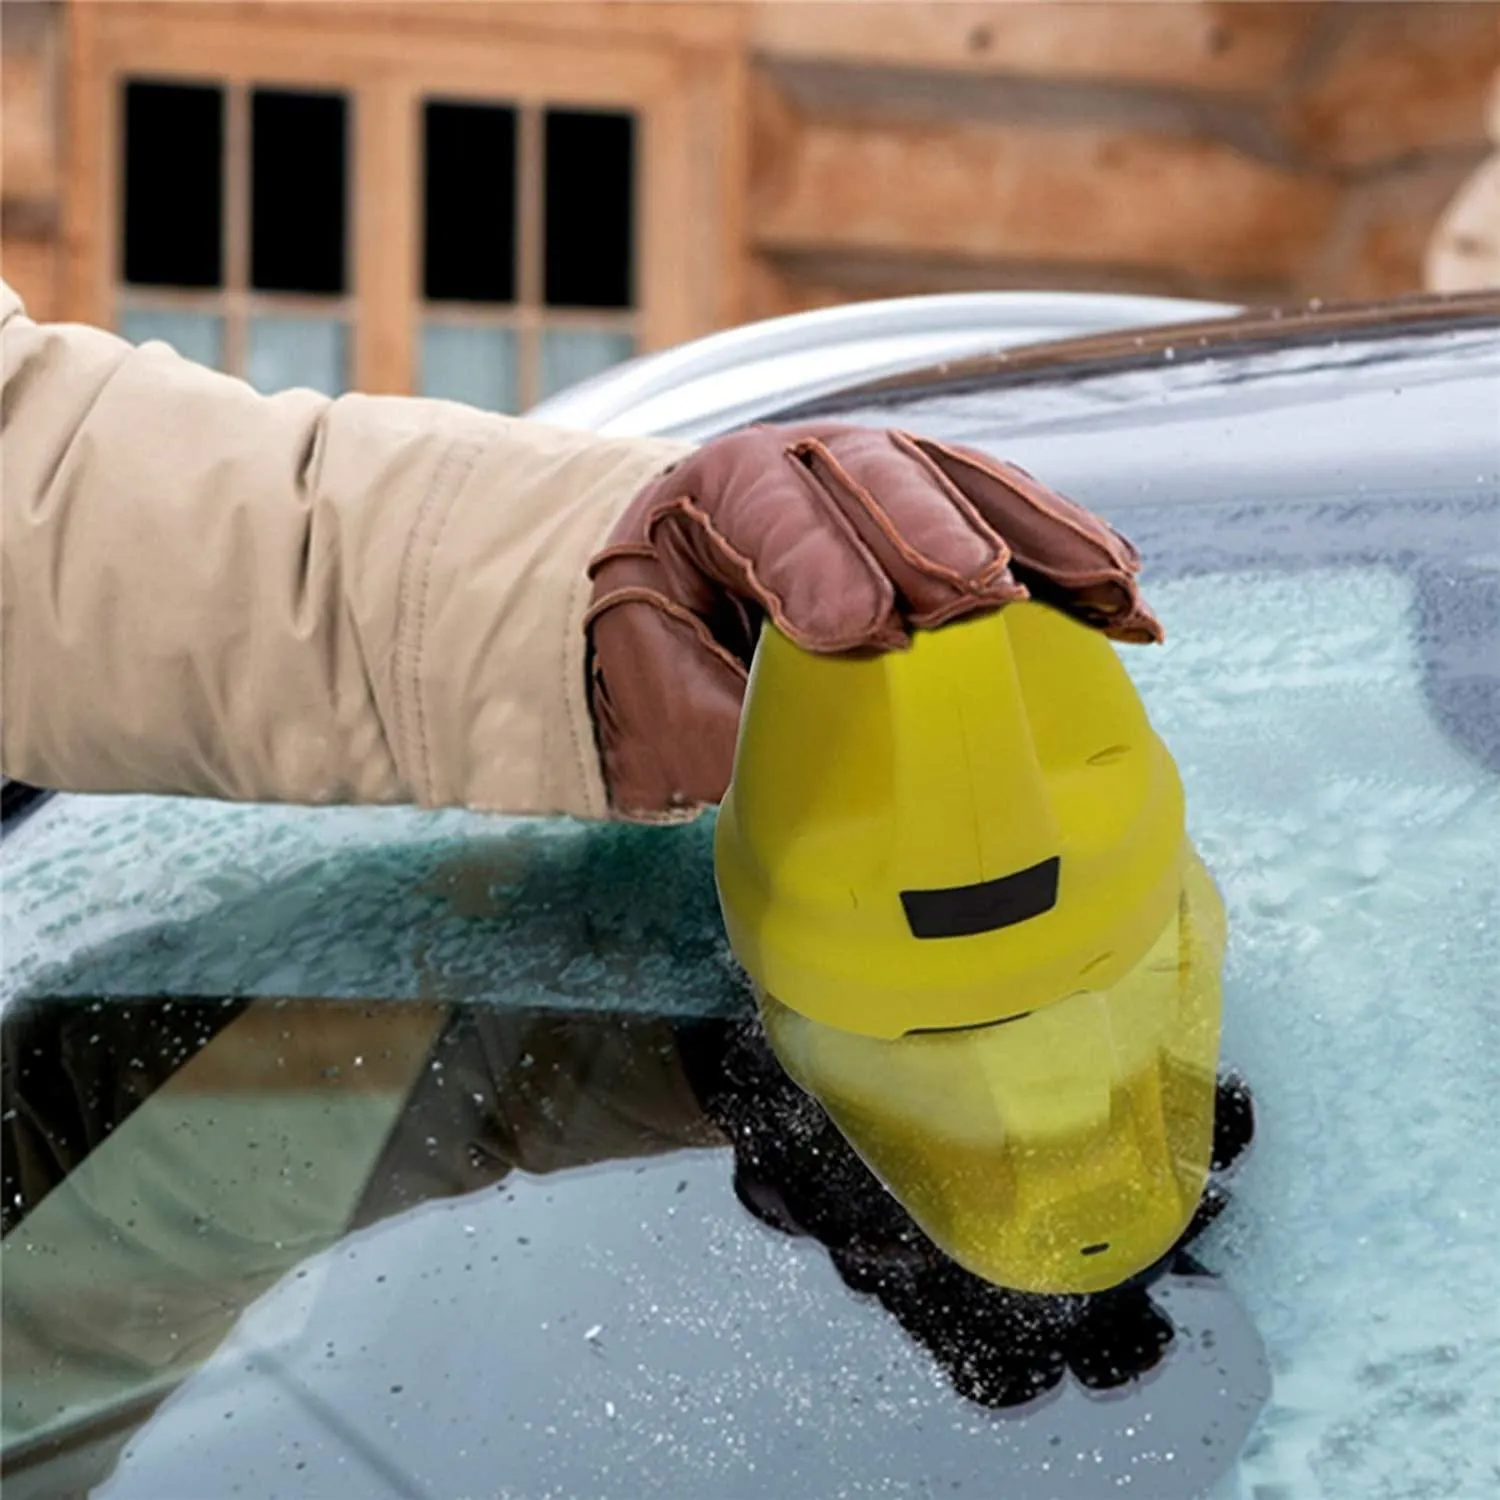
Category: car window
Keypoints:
(365, 1152)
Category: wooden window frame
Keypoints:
(235, 302)
(684, 82)
(527, 315)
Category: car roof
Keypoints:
(1239, 333)
(837, 357)
(729, 378)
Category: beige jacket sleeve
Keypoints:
(289, 598)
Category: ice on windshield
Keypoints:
(384, 903)
(1355, 844)
(630, 1327)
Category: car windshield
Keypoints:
(377, 1153)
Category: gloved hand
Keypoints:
(849, 538)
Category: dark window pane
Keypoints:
(590, 244)
(174, 185)
(298, 192)
(469, 225)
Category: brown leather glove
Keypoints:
(849, 538)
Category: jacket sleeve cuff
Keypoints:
(490, 694)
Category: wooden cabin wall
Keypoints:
(1247, 151)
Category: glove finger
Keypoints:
(666, 699)
(729, 616)
(1043, 527)
(942, 555)
(1061, 551)
(739, 517)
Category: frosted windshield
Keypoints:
(502, 1247)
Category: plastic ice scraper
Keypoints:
(959, 878)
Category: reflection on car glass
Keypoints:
(166, 1161)
(794, 1171)
(17, 799)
